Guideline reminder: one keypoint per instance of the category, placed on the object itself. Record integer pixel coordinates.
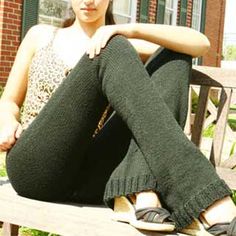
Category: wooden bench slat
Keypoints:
(200, 115)
(203, 75)
(228, 175)
(219, 134)
(61, 218)
(230, 162)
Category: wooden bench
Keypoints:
(225, 81)
(75, 220)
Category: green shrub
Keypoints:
(3, 172)
(1, 90)
(234, 196)
(232, 121)
(194, 102)
(33, 232)
(209, 131)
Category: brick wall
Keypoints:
(10, 30)
(214, 27)
(189, 13)
(138, 11)
(152, 11)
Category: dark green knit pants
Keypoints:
(141, 147)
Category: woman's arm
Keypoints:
(146, 38)
(15, 89)
(177, 38)
(14, 93)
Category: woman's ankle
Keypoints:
(147, 199)
(223, 210)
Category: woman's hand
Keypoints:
(10, 131)
(177, 38)
(102, 36)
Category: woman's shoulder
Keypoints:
(41, 34)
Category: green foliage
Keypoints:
(194, 102)
(232, 151)
(234, 196)
(232, 121)
(33, 232)
(209, 131)
(3, 172)
(230, 53)
(1, 90)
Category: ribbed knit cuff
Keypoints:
(127, 186)
(198, 203)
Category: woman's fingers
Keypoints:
(99, 40)
(6, 142)
(9, 135)
(18, 131)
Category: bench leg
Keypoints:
(9, 229)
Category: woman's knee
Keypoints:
(118, 47)
(164, 57)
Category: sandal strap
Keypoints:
(228, 229)
(153, 214)
(218, 229)
(232, 228)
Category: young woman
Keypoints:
(140, 160)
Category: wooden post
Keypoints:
(10, 229)
(221, 123)
(200, 115)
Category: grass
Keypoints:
(1, 90)
(234, 196)
(3, 172)
(33, 232)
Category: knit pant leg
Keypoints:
(112, 143)
(118, 74)
(170, 72)
(44, 162)
(107, 149)
(187, 183)
(174, 86)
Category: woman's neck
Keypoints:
(89, 28)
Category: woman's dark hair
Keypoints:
(109, 20)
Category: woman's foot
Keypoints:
(143, 211)
(223, 210)
(218, 219)
(147, 199)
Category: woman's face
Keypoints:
(89, 11)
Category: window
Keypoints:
(171, 12)
(124, 11)
(196, 20)
(196, 14)
(53, 11)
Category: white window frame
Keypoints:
(199, 14)
(133, 11)
(173, 11)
